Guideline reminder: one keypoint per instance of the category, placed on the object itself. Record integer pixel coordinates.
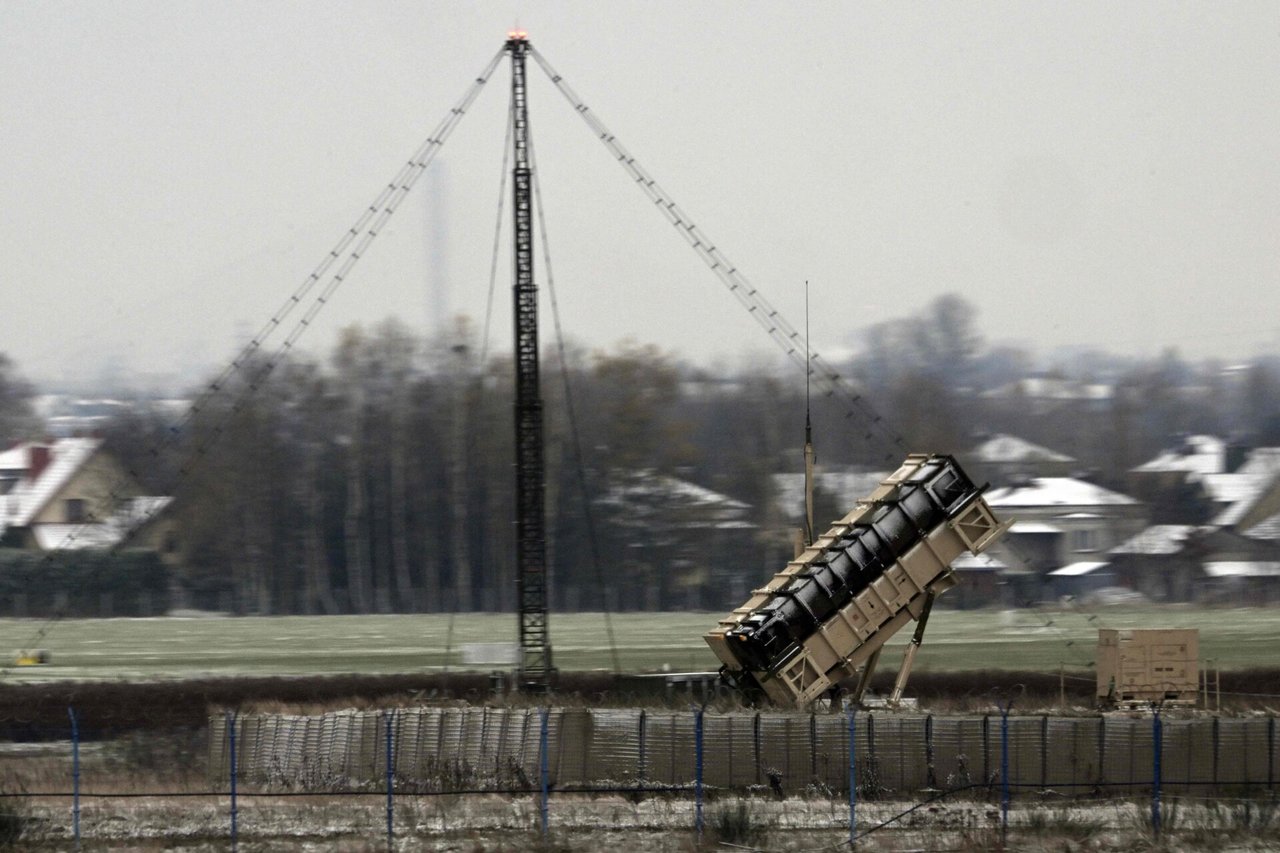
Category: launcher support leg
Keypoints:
(909, 656)
(863, 680)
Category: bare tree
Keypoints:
(17, 418)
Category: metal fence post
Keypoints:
(1157, 739)
(542, 768)
(986, 751)
(231, 752)
(813, 747)
(1004, 773)
(872, 764)
(697, 783)
(1102, 750)
(642, 770)
(931, 772)
(1044, 752)
(389, 719)
(1216, 744)
(755, 739)
(1271, 752)
(75, 775)
(853, 781)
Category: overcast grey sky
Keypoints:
(1093, 174)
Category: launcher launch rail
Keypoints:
(826, 616)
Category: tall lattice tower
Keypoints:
(531, 546)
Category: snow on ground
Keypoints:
(612, 822)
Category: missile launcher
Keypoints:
(825, 617)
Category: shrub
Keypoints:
(14, 819)
(75, 583)
(737, 824)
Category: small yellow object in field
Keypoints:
(33, 657)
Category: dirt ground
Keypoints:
(39, 711)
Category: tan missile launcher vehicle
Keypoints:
(826, 616)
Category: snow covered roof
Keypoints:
(1262, 462)
(1226, 488)
(648, 484)
(73, 537)
(1242, 570)
(28, 497)
(847, 486)
(644, 496)
(968, 562)
(1033, 527)
(1076, 570)
(1008, 448)
(15, 458)
(1056, 491)
(1259, 473)
(1199, 454)
(1049, 388)
(1269, 529)
(1157, 539)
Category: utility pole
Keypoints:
(531, 541)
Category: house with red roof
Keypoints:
(70, 493)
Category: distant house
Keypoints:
(1042, 395)
(683, 545)
(1162, 562)
(1007, 458)
(1184, 484)
(1081, 579)
(1063, 523)
(1239, 569)
(1255, 491)
(1198, 454)
(1235, 557)
(1268, 530)
(983, 582)
(71, 494)
(844, 486)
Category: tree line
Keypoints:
(380, 478)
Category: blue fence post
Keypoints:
(1004, 772)
(697, 777)
(642, 769)
(75, 775)
(542, 771)
(853, 781)
(390, 718)
(231, 751)
(1271, 752)
(1157, 746)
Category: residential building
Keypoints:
(1041, 395)
(71, 494)
(683, 546)
(1007, 458)
(1062, 522)
(1161, 562)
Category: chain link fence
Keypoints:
(414, 773)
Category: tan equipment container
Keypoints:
(1159, 666)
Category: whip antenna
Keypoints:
(809, 457)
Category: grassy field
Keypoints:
(133, 649)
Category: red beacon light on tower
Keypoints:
(517, 35)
